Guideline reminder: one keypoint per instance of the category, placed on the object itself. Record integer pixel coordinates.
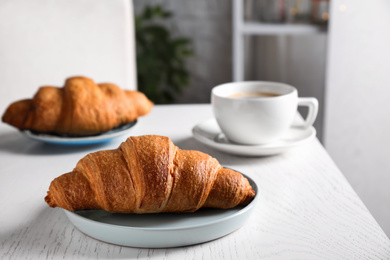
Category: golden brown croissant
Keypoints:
(149, 174)
(80, 108)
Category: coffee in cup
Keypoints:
(253, 94)
(258, 112)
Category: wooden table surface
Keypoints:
(306, 210)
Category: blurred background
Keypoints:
(177, 50)
(296, 57)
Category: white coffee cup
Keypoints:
(258, 118)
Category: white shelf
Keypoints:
(243, 28)
(280, 29)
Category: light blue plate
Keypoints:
(86, 140)
(162, 230)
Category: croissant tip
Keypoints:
(16, 112)
(49, 200)
(249, 197)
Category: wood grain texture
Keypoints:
(307, 209)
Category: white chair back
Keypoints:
(43, 42)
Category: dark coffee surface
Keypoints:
(254, 94)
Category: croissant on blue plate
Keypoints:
(79, 108)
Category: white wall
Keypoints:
(357, 119)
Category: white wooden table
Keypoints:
(307, 209)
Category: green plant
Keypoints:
(161, 59)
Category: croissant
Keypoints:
(149, 174)
(80, 108)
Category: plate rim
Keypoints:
(188, 227)
(81, 139)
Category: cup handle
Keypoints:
(312, 104)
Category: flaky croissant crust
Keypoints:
(149, 174)
(79, 108)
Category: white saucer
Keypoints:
(209, 133)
